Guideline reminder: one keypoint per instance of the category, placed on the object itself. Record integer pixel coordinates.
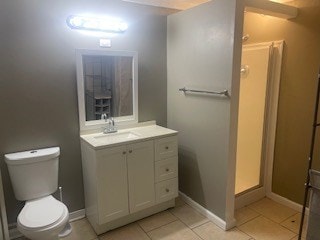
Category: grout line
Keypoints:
(143, 230)
(201, 224)
(197, 234)
(250, 220)
(250, 237)
(279, 223)
(194, 211)
(208, 220)
(288, 218)
(176, 220)
(288, 229)
(159, 226)
(191, 230)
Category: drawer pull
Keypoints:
(167, 190)
(167, 169)
(130, 151)
(167, 147)
(124, 152)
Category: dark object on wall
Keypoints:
(313, 182)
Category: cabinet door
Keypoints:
(140, 160)
(112, 188)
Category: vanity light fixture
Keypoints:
(110, 25)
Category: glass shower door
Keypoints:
(251, 118)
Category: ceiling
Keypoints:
(179, 4)
(175, 4)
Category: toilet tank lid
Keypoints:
(32, 156)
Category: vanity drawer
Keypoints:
(166, 190)
(166, 169)
(166, 147)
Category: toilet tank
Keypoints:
(34, 173)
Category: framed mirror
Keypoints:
(107, 84)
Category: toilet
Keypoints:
(34, 177)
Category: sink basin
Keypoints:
(117, 137)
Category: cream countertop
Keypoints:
(126, 136)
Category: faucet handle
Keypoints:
(103, 116)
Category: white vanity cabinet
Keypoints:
(166, 168)
(128, 181)
(112, 184)
(124, 180)
(141, 175)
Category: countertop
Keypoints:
(126, 136)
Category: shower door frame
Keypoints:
(270, 121)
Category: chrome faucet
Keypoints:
(111, 128)
(104, 116)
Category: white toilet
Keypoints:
(34, 177)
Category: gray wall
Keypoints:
(201, 55)
(38, 98)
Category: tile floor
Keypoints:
(262, 220)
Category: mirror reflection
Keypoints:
(108, 86)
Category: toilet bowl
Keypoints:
(42, 218)
(34, 177)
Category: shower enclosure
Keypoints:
(260, 75)
(252, 105)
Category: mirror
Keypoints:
(107, 84)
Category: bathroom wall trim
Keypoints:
(73, 216)
(286, 202)
(214, 218)
(250, 197)
(77, 215)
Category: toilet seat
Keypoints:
(41, 213)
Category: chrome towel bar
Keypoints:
(224, 92)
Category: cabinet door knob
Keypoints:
(130, 151)
(167, 169)
(167, 147)
(167, 190)
(124, 152)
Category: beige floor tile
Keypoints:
(293, 224)
(296, 238)
(173, 231)
(156, 221)
(210, 231)
(272, 210)
(262, 228)
(179, 202)
(189, 216)
(81, 230)
(244, 215)
(128, 232)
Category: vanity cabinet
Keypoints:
(125, 180)
(129, 181)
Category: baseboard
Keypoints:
(286, 202)
(77, 215)
(249, 197)
(214, 218)
(13, 231)
(73, 216)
